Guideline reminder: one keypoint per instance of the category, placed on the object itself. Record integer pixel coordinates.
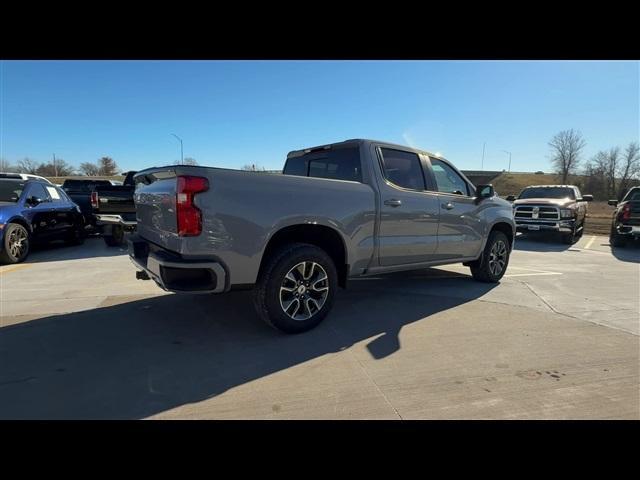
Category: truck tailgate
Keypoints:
(115, 199)
(155, 206)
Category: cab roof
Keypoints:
(360, 141)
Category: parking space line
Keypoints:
(590, 242)
(13, 268)
(532, 274)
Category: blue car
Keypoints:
(34, 211)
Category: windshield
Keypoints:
(548, 192)
(10, 190)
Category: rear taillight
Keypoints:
(626, 212)
(94, 199)
(188, 215)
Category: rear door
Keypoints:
(408, 228)
(63, 211)
(461, 227)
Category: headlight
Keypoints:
(566, 213)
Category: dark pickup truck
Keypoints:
(625, 225)
(114, 210)
(79, 190)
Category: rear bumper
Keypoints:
(174, 273)
(628, 230)
(562, 226)
(105, 219)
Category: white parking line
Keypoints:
(531, 274)
(590, 242)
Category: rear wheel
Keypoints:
(15, 245)
(296, 288)
(76, 236)
(493, 264)
(114, 236)
(616, 240)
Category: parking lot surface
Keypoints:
(80, 337)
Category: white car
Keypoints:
(24, 176)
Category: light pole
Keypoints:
(181, 156)
(509, 159)
(482, 164)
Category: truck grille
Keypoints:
(537, 212)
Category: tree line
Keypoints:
(58, 167)
(607, 175)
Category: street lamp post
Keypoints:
(509, 159)
(181, 155)
(482, 164)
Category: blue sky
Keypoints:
(234, 113)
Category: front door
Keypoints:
(460, 231)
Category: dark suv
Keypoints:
(551, 208)
(625, 225)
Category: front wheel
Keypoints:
(493, 264)
(15, 246)
(296, 288)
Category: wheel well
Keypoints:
(20, 221)
(321, 236)
(506, 229)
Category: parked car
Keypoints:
(551, 208)
(114, 210)
(348, 209)
(79, 190)
(35, 211)
(625, 225)
(25, 176)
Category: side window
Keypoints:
(447, 179)
(54, 194)
(37, 190)
(577, 192)
(402, 169)
(335, 163)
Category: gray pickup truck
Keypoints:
(348, 209)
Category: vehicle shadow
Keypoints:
(137, 359)
(58, 250)
(540, 242)
(628, 253)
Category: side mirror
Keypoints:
(511, 198)
(485, 191)
(613, 203)
(34, 201)
(587, 198)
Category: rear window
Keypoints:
(548, 192)
(10, 190)
(334, 163)
(633, 195)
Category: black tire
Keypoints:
(10, 252)
(482, 269)
(267, 292)
(570, 238)
(616, 240)
(115, 238)
(76, 236)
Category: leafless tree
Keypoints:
(28, 165)
(566, 147)
(59, 169)
(107, 166)
(5, 166)
(629, 167)
(254, 168)
(89, 169)
(190, 161)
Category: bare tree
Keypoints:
(190, 161)
(5, 166)
(59, 169)
(254, 168)
(629, 167)
(566, 147)
(107, 166)
(28, 165)
(89, 169)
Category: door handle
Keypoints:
(393, 202)
(448, 205)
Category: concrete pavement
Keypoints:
(557, 338)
